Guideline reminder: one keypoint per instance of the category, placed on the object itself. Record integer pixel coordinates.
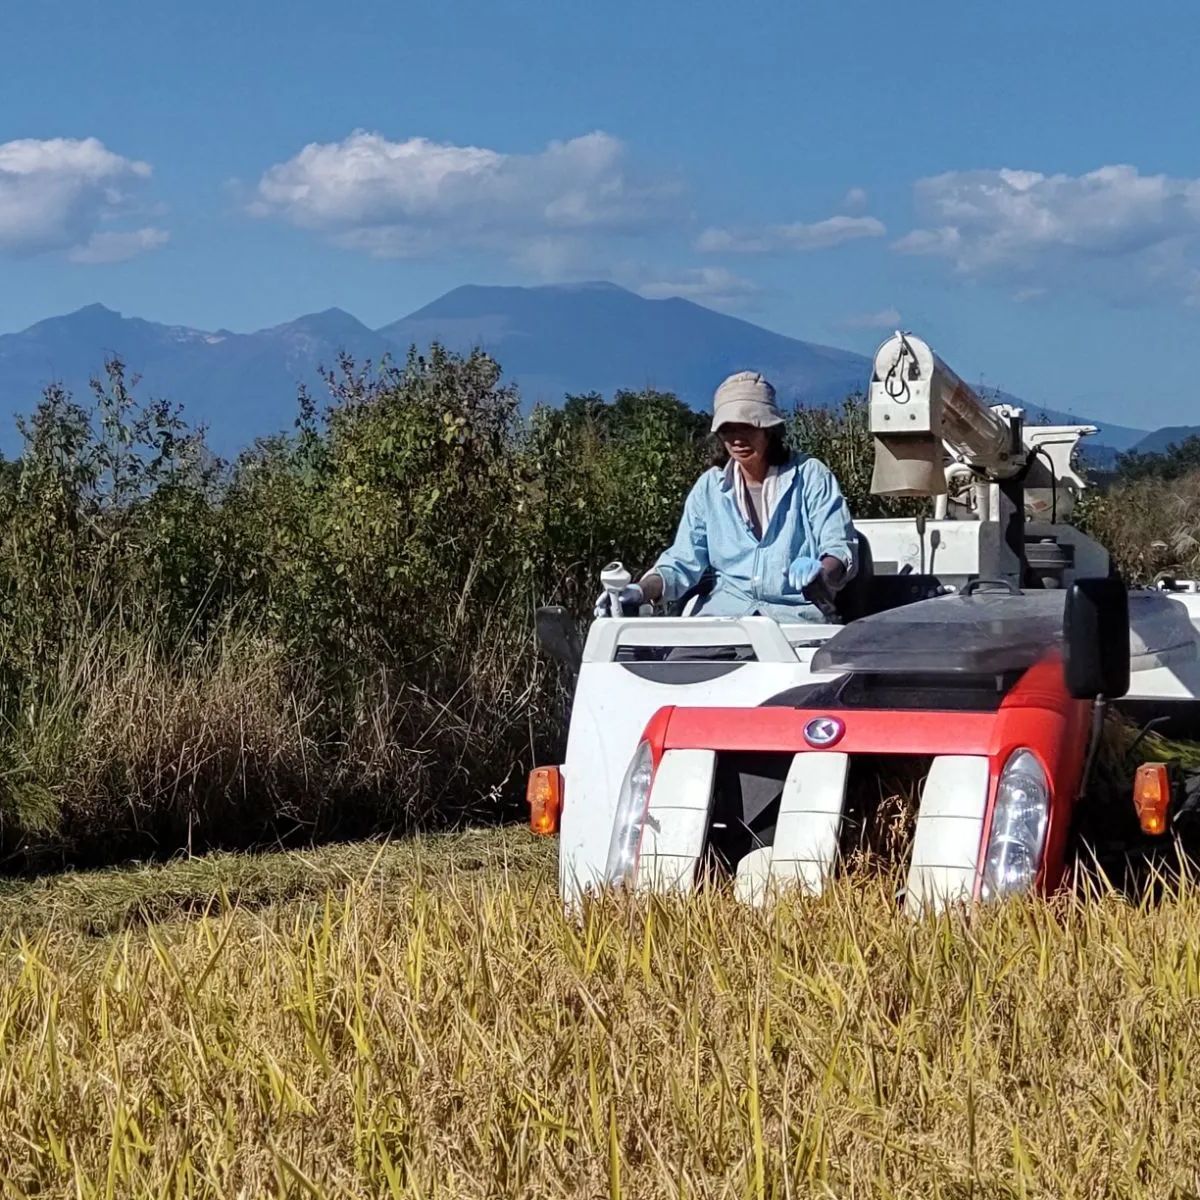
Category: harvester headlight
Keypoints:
(626, 846)
(1014, 850)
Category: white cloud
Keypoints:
(112, 246)
(818, 235)
(707, 285)
(1109, 227)
(60, 194)
(558, 256)
(884, 318)
(401, 199)
(855, 200)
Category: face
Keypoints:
(746, 443)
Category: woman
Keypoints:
(771, 524)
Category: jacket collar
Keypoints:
(786, 474)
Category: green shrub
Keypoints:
(330, 633)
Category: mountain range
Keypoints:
(551, 341)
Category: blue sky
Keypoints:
(1019, 183)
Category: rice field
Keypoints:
(419, 1020)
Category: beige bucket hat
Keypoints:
(746, 398)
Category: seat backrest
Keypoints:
(853, 601)
(681, 607)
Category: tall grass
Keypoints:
(1150, 524)
(433, 1030)
(134, 746)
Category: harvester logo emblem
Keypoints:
(823, 731)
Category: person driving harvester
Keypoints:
(771, 523)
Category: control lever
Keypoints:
(614, 579)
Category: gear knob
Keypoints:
(614, 578)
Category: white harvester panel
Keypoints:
(614, 700)
(810, 820)
(805, 849)
(753, 881)
(677, 820)
(945, 850)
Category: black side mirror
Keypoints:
(558, 635)
(1096, 639)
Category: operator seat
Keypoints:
(686, 603)
(854, 600)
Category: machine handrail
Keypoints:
(762, 634)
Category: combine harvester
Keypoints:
(981, 646)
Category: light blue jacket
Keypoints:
(810, 520)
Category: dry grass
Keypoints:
(400, 1021)
(1149, 525)
(133, 747)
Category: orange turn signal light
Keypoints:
(1152, 796)
(544, 794)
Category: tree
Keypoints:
(1177, 460)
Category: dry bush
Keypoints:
(1149, 525)
(133, 748)
(142, 748)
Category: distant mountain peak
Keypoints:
(550, 339)
(334, 314)
(92, 320)
(587, 285)
(329, 322)
(577, 285)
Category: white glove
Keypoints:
(802, 572)
(633, 594)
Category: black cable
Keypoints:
(1149, 727)
(1053, 484)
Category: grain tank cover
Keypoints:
(987, 633)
